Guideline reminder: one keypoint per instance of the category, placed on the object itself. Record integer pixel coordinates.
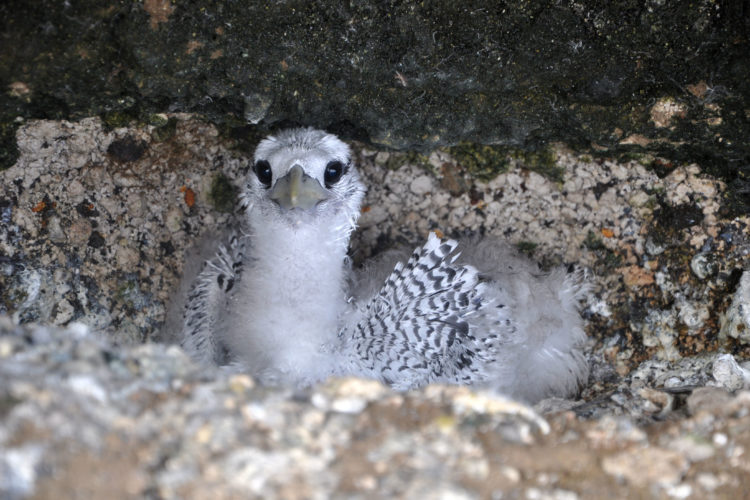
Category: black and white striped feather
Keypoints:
(206, 301)
(423, 325)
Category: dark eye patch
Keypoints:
(262, 170)
(334, 171)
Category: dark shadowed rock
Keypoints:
(127, 149)
(666, 76)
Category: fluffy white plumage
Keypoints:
(280, 300)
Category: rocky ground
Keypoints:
(95, 223)
(86, 419)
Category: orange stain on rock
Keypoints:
(39, 207)
(189, 196)
(635, 276)
(193, 45)
(607, 232)
(159, 10)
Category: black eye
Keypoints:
(263, 170)
(333, 173)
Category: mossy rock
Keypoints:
(223, 194)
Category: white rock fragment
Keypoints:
(720, 439)
(703, 265)
(375, 215)
(708, 481)
(488, 403)
(64, 313)
(421, 185)
(658, 329)
(173, 219)
(692, 315)
(558, 494)
(88, 386)
(126, 256)
(55, 230)
(351, 405)
(680, 491)
(736, 321)
(18, 470)
(381, 157)
(538, 184)
(78, 330)
(729, 374)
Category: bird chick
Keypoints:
(280, 300)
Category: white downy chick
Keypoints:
(279, 299)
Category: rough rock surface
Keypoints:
(667, 76)
(98, 221)
(95, 226)
(83, 418)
